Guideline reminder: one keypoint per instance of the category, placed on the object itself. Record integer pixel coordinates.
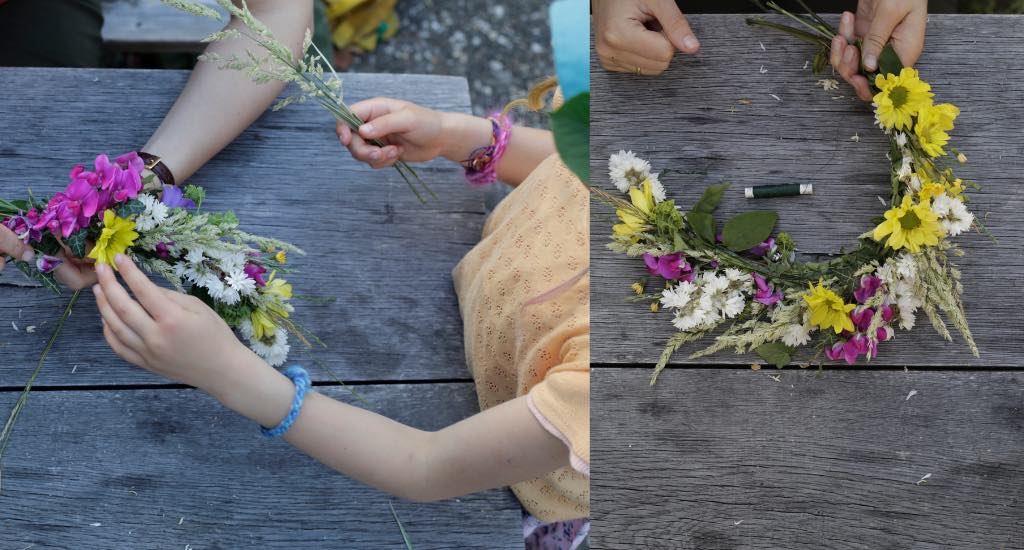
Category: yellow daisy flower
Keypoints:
(932, 125)
(643, 199)
(262, 325)
(900, 97)
(118, 234)
(930, 190)
(910, 226)
(827, 309)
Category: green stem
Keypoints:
(5, 436)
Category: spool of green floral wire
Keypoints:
(780, 190)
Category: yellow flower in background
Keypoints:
(827, 309)
(900, 97)
(281, 257)
(930, 190)
(262, 325)
(909, 226)
(643, 199)
(118, 234)
(278, 287)
(955, 187)
(932, 125)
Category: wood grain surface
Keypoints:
(384, 258)
(173, 469)
(725, 459)
(712, 117)
(151, 26)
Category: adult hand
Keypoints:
(409, 132)
(72, 272)
(640, 36)
(877, 22)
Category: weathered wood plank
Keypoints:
(386, 258)
(170, 468)
(691, 121)
(732, 459)
(149, 25)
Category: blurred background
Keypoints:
(502, 47)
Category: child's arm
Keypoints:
(416, 134)
(179, 337)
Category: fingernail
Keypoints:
(691, 43)
(101, 268)
(375, 155)
(366, 128)
(870, 61)
(120, 258)
(28, 256)
(95, 289)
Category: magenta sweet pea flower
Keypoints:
(869, 285)
(25, 226)
(173, 197)
(766, 294)
(46, 263)
(763, 248)
(670, 266)
(835, 351)
(255, 272)
(163, 250)
(887, 313)
(861, 317)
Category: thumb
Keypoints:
(11, 245)
(397, 122)
(675, 26)
(879, 32)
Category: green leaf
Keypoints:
(749, 229)
(710, 199)
(775, 353)
(76, 242)
(677, 241)
(888, 61)
(571, 126)
(130, 208)
(703, 225)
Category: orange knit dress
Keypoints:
(524, 294)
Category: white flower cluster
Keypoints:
(708, 300)
(627, 170)
(155, 214)
(274, 353)
(899, 274)
(798, 334)
(953, 214)
(220, 272)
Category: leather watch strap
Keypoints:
(156, 165)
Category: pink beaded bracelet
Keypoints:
(482, 165)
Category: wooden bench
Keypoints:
(150, 26)
(718, 456)
(109, 456)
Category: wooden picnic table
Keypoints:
(151, 26)
(921, 448)
(106, 455)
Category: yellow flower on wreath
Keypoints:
(118, 234)
(932, 126)
(643, 199)
(262, 325)
(909, 226)
(827, 309)
(900, 97)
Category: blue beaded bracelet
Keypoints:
(300, 378)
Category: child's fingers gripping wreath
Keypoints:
(163, 331)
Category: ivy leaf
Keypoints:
(130, 208)
(76, 242)
(571, 126)
(703, 225)
(888, 61)
(710, 199)
(749, 229)
(775, 353)
(677, 241)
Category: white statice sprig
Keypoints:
(156, 213)
(708, 300)
(953, 214)
(628, 170)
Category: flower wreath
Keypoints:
(842, 308)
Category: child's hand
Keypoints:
(875, 23)
(410, 132)
(169, 333)
(640, 36)
(73, 273)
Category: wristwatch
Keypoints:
(156, 165)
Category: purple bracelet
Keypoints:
(482, 165)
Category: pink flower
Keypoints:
(835, 351)
(46, 263)
(670, 266)
(255, 272)
(25, 226)
(861, 317)
(766, 294)
(869, 285)
(763, 248)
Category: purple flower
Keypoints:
(869, 285)
(883, 334)
(887, 313)
(670, 266)
(123, 178)
(713, 264)
(835, 351)
(255, 272)
(25, 226)
(766, 294)
(861, 317)
(173, 197)
(763, 248)
(46, 264)
(163, 250)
